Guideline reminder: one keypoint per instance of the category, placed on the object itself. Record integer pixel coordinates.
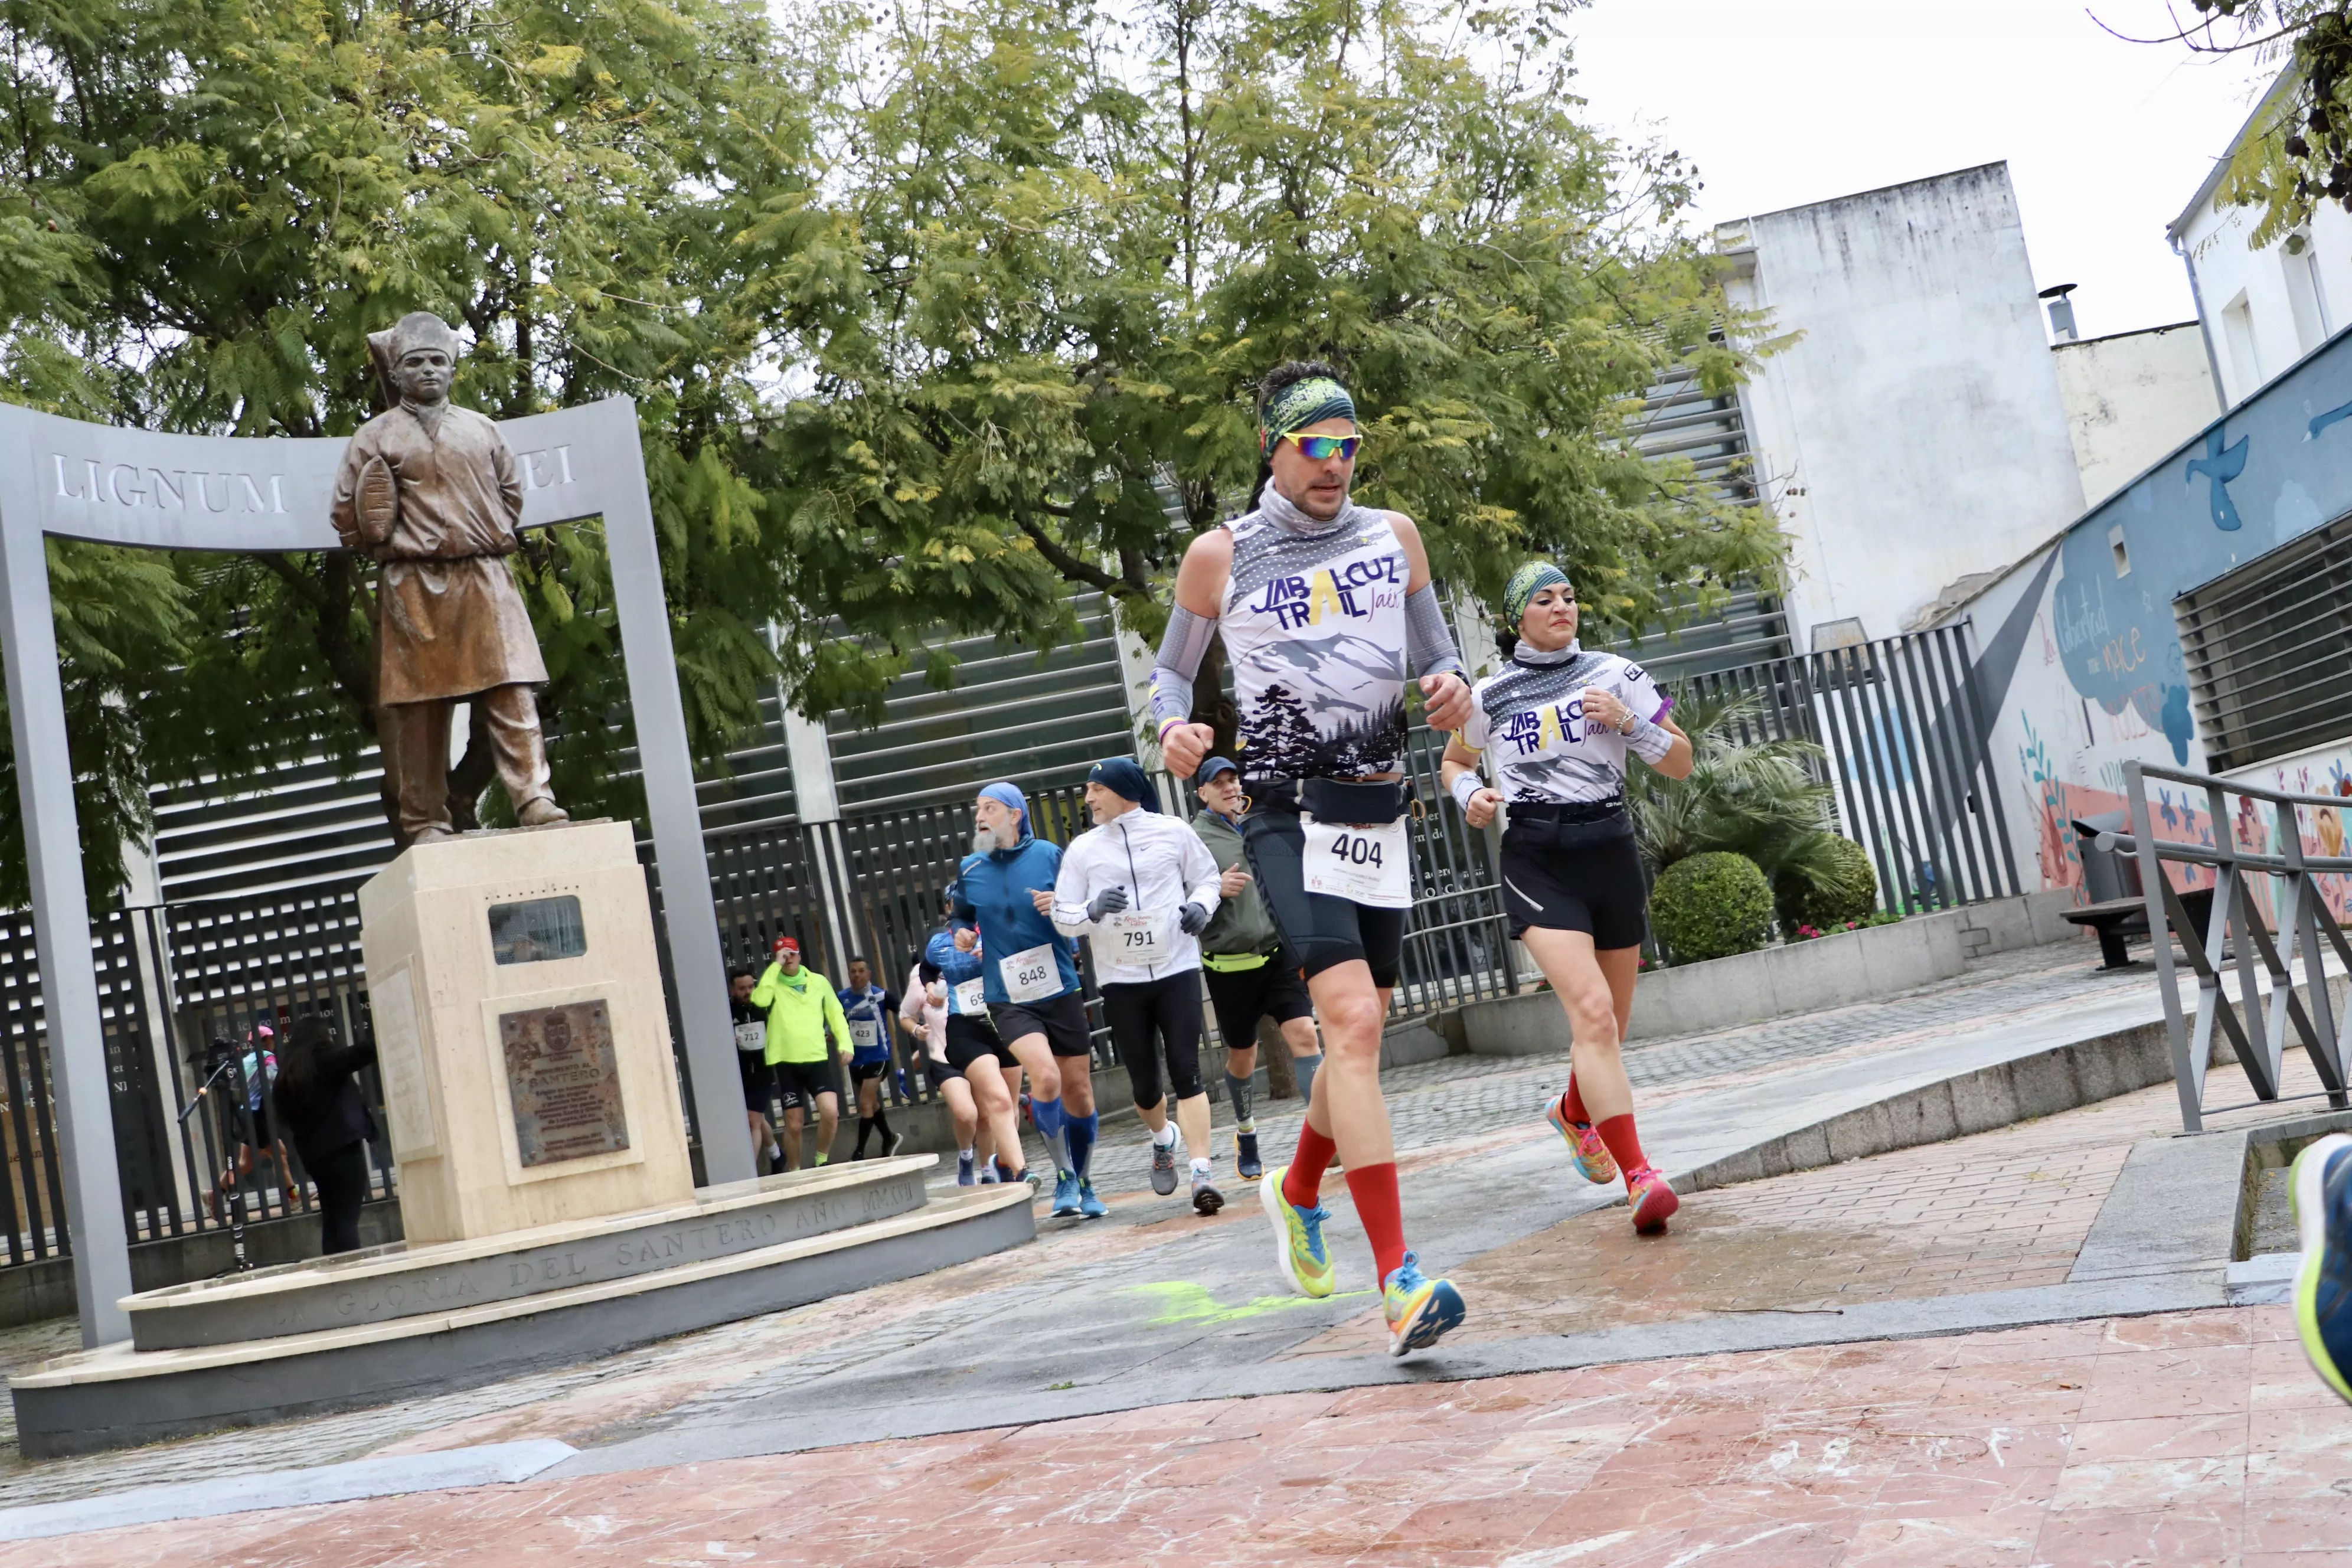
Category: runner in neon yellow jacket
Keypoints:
(805, 1020)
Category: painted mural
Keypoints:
(2323, 829)
(2079, 667)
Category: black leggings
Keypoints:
(1169, 1007)
(342, 1178)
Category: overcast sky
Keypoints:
(1782, 102)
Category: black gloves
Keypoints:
(1109, 901)
(1193, 919)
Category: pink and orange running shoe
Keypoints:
(1650, 1199)
(1594, 1161)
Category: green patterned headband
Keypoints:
(1302, 403)
(1527, 582)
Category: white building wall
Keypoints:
(2130, 399)
(1913, 435)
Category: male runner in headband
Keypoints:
(1322, 603)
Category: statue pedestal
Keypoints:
(521, 1031)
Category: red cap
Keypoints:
(786, 944)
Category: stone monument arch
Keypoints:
(66, 478)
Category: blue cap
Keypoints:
(1212, 767)
(1123, 778)
(1005, 794)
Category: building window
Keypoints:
(2305, 298)
(2245, 362)
(2268, 645)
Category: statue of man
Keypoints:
(430, 491)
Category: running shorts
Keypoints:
(1060, 1019)
(1243, 996)
(759, 1081)
(1148, 1017)
(860, 1071)
(1323, 931)
(1596, 888)
(970, 1038)
(939, 1072)
(801, 1082)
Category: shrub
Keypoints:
(1833, 887)
(1710, 906)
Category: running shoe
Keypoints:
(988, 1176)
(1246, 1160)
(1420, 1312)
(1206, 1199)
(1650, 1199)
(1163, 1168)
(898, 1141)
(1594, 1161)
(1297, 1237)
(1065, 1196)
(964, 1177)
(1091, 1206)
(2320, 1189)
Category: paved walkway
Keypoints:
(2196, 1438)
(1156, 1299)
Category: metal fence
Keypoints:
(1902, 746)
(2279, 893)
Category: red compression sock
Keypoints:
(1618, 1133)
(1374, 1188)
(1571, 1104)
(1304, 1180)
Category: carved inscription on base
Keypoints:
(564, 1083)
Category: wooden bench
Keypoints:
(2116, 920)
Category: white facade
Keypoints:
(2263, 309)
(2130, 399)
(1913, 435)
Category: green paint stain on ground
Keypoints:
(1183, 1302)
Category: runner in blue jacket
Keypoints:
(1005, 890)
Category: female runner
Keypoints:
(1559, 723)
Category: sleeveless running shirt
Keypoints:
(1528, 718)
(1314, 625)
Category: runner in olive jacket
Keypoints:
(804, 1018)
(1249, 975)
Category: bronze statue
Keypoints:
(429, 490)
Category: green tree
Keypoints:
(2298, 151)
(1081, 235)
(207, 206)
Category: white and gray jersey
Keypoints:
(1528, 718)
(1161, 864)
(1314, 627)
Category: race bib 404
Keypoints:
(1363, 864)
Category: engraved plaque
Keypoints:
(563, 1082)
(537, 930)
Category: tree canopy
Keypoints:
(932, 314)
(2300, 150)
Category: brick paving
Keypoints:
(2193, 1439)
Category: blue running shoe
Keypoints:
(988, 1176)
(2320, 1189)
(1420, 1312)
(1090, 1205)
(1297, 1237)
(964, 1173)
(1065, 1196)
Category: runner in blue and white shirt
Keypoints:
(869, 1009)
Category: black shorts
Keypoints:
(939, 1072)
(1324, 932)
(860, 1071)
(1596, 888)
(1060, 1019)
(759, 1081)
(1155, 1016)
(969, 1039)
(1243, 996)
(801, 1082)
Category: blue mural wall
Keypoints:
(2277, 466)
(2079, 667)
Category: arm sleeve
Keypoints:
(1428, 640)
(1181, 652)
(1070, 897)
(1200, 872)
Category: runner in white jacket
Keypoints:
(1141, 887)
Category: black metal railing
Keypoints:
(2270, 906)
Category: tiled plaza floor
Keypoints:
(2198, 1439)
